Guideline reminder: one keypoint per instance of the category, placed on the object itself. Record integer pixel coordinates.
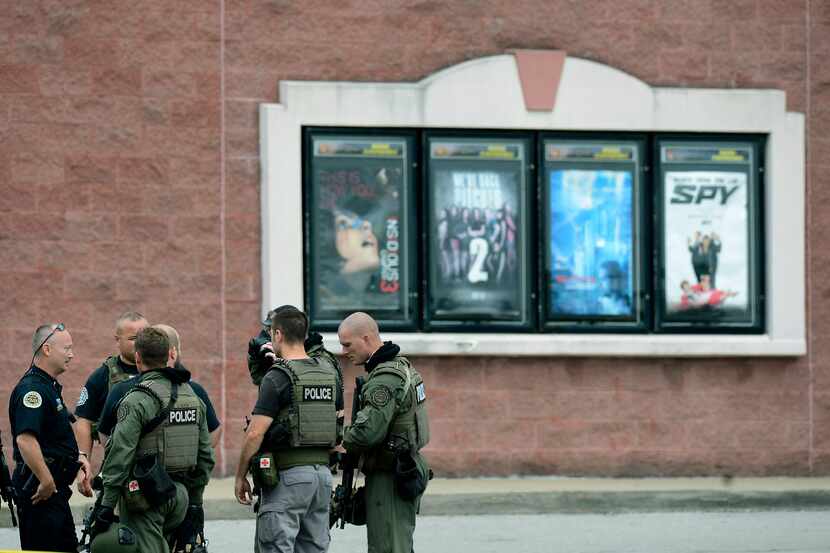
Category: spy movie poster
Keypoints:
(591, 247)
(706, 244)
(477, 231)
(357, 211)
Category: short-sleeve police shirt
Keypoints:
(274, 393)
(36, 407)
(94, 394)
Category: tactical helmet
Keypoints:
(117, 539)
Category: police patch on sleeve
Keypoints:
(123, 411)
(380, 396)
(421, 393)
(32, 400)
(83, 397)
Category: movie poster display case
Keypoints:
(595, 275)
(360, 227)
(478, 232)
(709, 234)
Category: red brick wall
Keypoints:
(129, 178)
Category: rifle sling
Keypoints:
(165, 409)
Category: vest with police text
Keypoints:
(311, 417)
(176, 439)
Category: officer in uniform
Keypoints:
(115, 369)
(159, 458)
(109, 419)
(45, 449)
(108, 414)
(388, 433)
(293, 514)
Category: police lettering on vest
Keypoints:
(318, 393)
(183, 416)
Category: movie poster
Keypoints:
(706, 244)
(359, 229)
(591, 243)
(477, 231)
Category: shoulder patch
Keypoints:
(123, 411)
(380, 396)
(83, 397)
(421, 393)
(32, 400)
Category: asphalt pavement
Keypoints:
(677, 532)
(587, 515)
(559, 495)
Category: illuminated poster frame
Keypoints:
(360, 228)
(478, 231)
(710, 239)
(594, 274)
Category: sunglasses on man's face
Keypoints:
(58, 328)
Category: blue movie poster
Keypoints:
(591, 242)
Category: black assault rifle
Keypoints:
(85, 544)
(342, 499)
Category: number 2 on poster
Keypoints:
(478, 250)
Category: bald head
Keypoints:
(360, 337)
(175, 342)
(360, 323)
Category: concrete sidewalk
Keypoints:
(539, 495)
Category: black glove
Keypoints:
(104, 517)
(191, 532)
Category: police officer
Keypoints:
(108, 414)
(191, 533)
(115, 369)
(261, 356)
(388, 433)
(159, 458)
(293, 514)
(45, 449)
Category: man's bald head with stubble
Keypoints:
(360, 337)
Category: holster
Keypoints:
(64, 470)
(410, 480)
(149, 487)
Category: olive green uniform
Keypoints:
(392, 415)
(182, 445)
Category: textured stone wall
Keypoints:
(129, 179)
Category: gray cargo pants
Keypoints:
(294, 515)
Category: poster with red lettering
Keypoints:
(358, 221)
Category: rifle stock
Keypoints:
(342, 501)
